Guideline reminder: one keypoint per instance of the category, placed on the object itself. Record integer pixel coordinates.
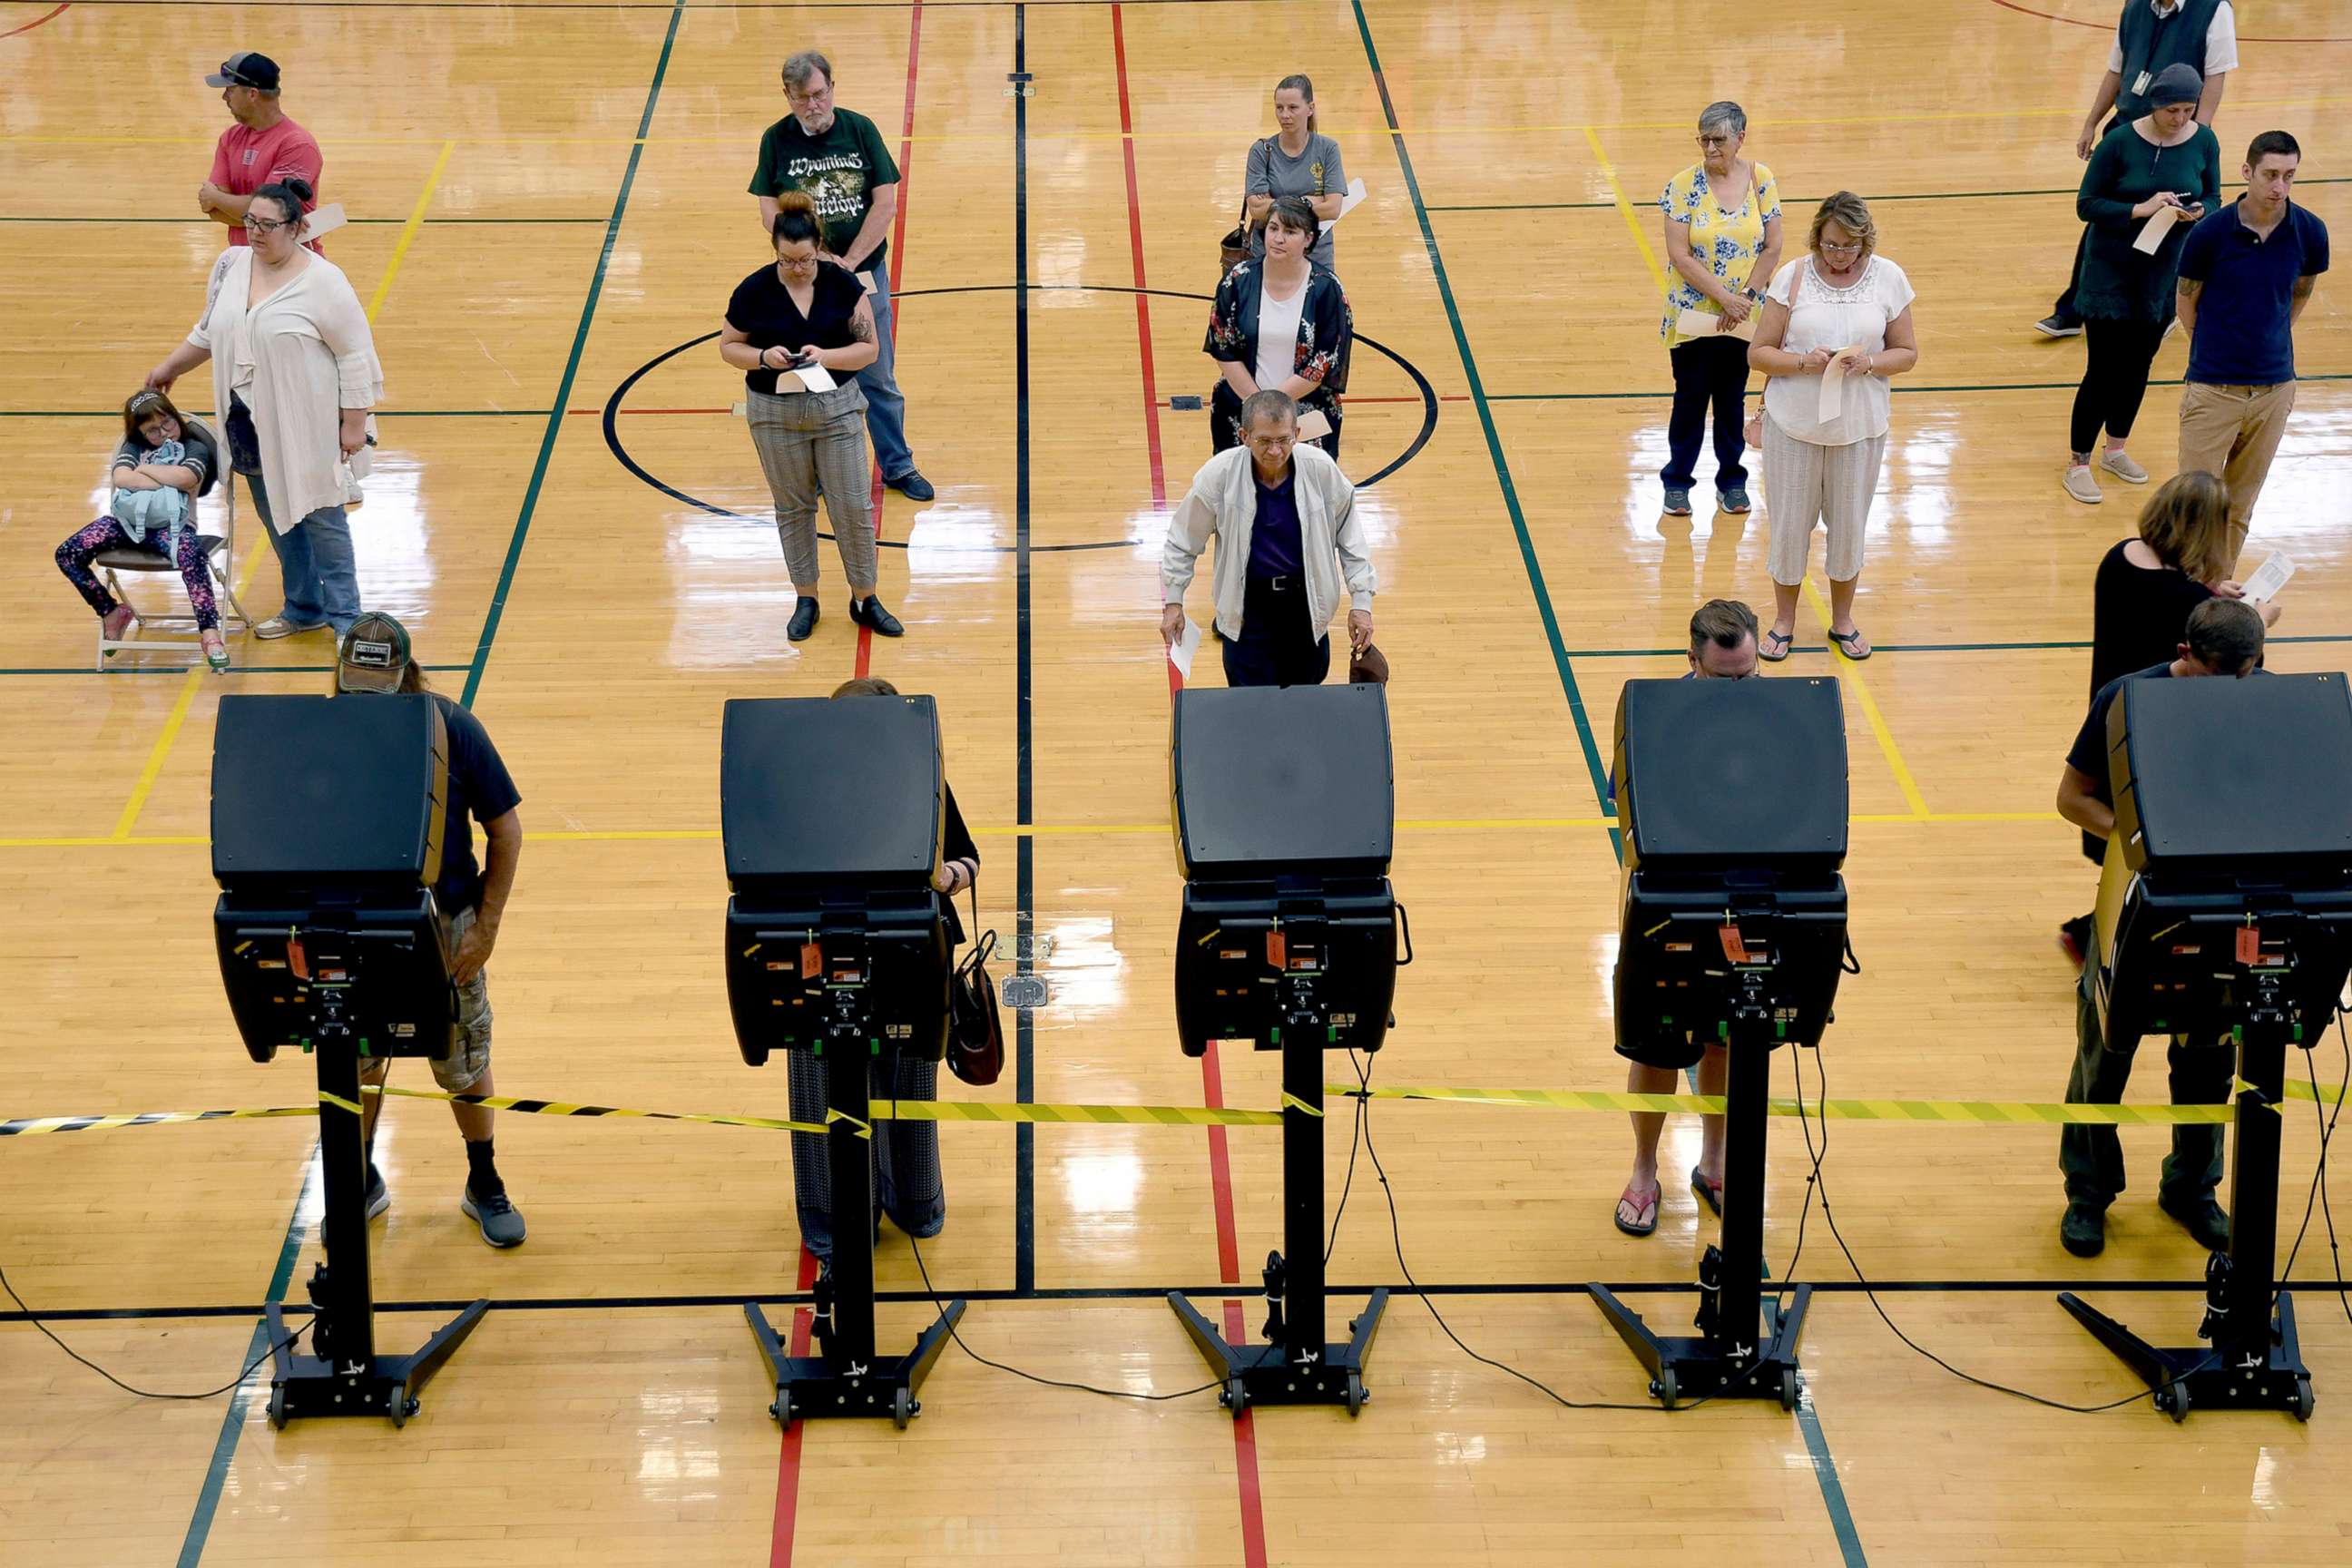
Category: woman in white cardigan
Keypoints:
(294, 374)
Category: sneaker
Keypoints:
(2200, 1217)
(2083, 1230)
(868, 611)
(1734, 501)
(279, 627)
(500, 1221)
(2074, 938)
(2058, 327)
(2119, 463)
(804, 620)
(119, 621)
(379, 1196)
(1678, 504)
(2081, 485)
(913, 486)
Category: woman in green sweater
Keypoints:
(2164, 162)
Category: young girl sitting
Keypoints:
(164, 462)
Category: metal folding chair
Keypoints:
(162, 631)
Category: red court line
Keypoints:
(897, 270)
(1221, 1174)
(788, 1459)
(37, 21)
(2110, 26)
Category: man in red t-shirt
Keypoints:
(262, 146)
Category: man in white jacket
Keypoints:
(1285, 519)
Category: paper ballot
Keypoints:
(2151, 233)
(811, 378)
(866, 281)
(1703, 324)
(324, 220)
(1346, 203)
(2268, 579)
(1312, 425)
(1187, 642)
(1833, 383)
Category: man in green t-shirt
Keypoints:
(838, 158)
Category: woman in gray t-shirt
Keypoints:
(1294, 162)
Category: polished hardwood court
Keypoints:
(548, 213)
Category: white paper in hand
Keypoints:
(811, 378)
(2268, 579)
(1707, 324)
(2151, 233)
(1833, 383)
(1312, 425)
(1347, 203)
(1187, 642)
(323, 220)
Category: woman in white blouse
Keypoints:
(294, 374)
(1840, 307)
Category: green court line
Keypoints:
(1907, 647)
(183, 670)
(1896, 386)
(1479, 401)
(208, 414)
(1896, 197)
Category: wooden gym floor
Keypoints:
(549, 213)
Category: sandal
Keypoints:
(1709, 1193)
(216, 651)
(1773, 646)
(1641, 1206)
(1845, 641)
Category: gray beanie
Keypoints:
(2176, 83)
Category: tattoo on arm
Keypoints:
(861, 328)
(2305, 285)
(2189, 288)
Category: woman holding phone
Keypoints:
(800, 313)
(2163, 163)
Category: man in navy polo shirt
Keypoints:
(2246, 272)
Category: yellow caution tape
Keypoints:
(1955, 1113)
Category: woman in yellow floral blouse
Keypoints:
(1723, 241)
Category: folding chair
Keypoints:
(220, 556)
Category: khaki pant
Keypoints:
(2234, 431)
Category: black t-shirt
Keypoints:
(479, 787)
(838, 170)
(762, 310)
(2137, 617)
(955, 844)
(2089, 755)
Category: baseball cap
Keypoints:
(374, 655)
(246, 69)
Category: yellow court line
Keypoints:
(1877, 721)
(1625, 210)
(1426, 824)
(161, 750)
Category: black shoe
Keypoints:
(2056, 326)
(2083, 1231)
(804, 620)
(868, 611)
(379, 1196)
(2074, 937)
(2200, 1217)
(913, 486)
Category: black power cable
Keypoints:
(33, 1318)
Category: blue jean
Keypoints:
(316, 560)
(886, 408)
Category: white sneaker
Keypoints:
(2081, 485)
(2119, 463)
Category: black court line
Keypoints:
(1889, 196)
(1907, 647)
(1024, 1136)
(1897, 386)
(208, 414)
(1468, 1288)
(183, 670)
(355, 222)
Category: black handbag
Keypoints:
(975, 1034)
(1235, 247)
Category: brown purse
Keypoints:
(975, 1033)
(1234, 248)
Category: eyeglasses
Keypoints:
(267, 225)
(798, 263)
(1851, 249)
(1717, 141)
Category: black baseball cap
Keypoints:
(374, 655)
(246, 69)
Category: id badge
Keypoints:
(2140, 87)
